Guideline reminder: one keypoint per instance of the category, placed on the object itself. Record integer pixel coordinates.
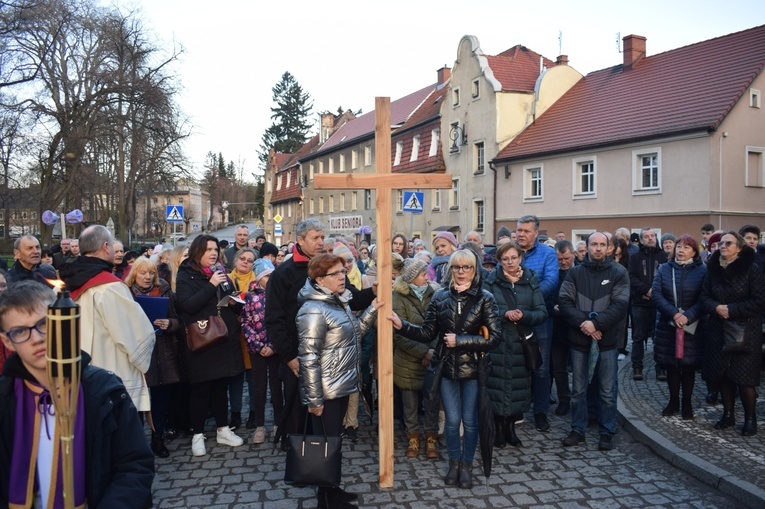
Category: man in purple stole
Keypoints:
(113, 465)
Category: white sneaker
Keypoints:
(198, 445)
(259, 436)
(227, 437)
(621, 357)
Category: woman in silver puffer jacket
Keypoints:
(329, 352)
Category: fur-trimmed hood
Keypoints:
(737, 268)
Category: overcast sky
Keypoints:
(345, 53)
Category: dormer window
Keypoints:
(755, 98)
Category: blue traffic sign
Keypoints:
(413, 201)
(174, 213)
(277, 229)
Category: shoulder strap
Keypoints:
(463, 315)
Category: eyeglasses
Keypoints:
(727, 243)
(462, 268)
(247, 260)
(21, 334)
(510, 259)
(337, 273)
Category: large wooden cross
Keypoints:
(384, 182)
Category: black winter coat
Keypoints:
(197, 299)
(509, 384)
(688, 282)
(119, 463)
(163, 369)
(642, 269)
(461, 362)
(595, 287)
(740, 287)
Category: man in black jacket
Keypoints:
(26, 250)
(593, 299)
(642, 268)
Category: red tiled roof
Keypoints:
(291, 192)
(400, 110)
(517, 68)
(683, 90)
(421, 123)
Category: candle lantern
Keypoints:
(64, 369)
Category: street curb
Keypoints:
(711, 475)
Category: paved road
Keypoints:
(541, 474)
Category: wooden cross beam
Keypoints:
(384, 182)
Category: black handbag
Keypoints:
(314, 460)
(734, 334)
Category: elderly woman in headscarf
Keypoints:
(411, 298)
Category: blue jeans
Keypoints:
(605, 372)
(540, 380)
(460, 400)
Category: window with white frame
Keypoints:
(454, 196)
(436, 199)
(321, 167)
(289, 177)
(310, 171)
(478, 215)
(321, 205)
(435, 136)
(584, 177)
(278, 182)
(455, 97)
(368, 155)
(342, 163)
(646, 171)
(579, 235)
(399, 201)
(367, 199)
(755, 167)
(755, 98)
(331, 203)
(354, 159)
(332, 165)
(354, 200)
(289, 209)
(415, 148)
(533, 183)
(311, 209)
(475, 89)
(399, 150)
(180, 200)
(479, 158)
(342, 202)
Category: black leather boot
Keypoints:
(453, 474)
(499, 435)
(158, 446)
(750, 426)
(510, 435)
(726, 421)
(466, 476)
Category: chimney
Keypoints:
(444, 74)
(327, 124)
(634, 49)
(561, 60)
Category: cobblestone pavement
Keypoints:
(722, 459)
(539, 475)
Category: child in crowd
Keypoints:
(113, 465)
(265, 362)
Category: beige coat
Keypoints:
(118, 336)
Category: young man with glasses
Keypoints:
(112, 459)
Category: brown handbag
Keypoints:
(205, 334)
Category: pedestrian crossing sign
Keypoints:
(413, 201)
(174, 213)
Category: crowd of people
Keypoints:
(540, 312)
